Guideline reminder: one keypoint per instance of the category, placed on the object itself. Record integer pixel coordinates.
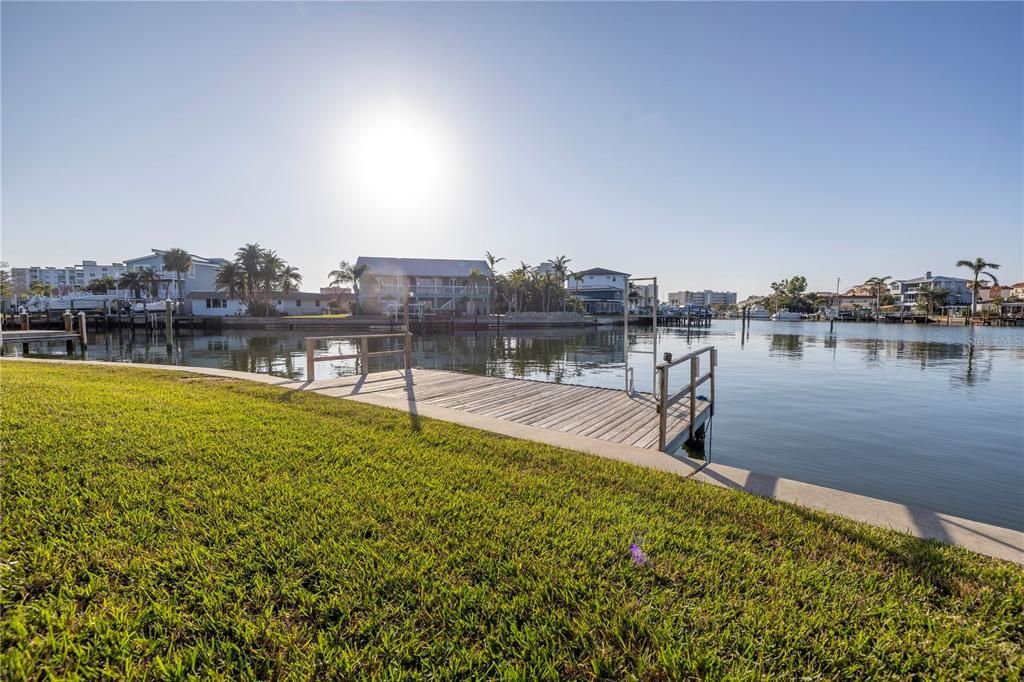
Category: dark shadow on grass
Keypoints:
(410, 397)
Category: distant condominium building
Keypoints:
(706, 297)
(66, 278)
(905, 291)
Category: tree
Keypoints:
(929, 296)
(6, 286)
(177, 261)
(250, 259)
(475, 278)
(492, 262)
(290, 279)
(150, 281)
(40, 288)
(231, 279)
(878, 285)
(101, 285)
(132, 281)
(561, 267)
(347, 274)
(979, 266)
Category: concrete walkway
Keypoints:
(1002, 543)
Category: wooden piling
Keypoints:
(83, 335)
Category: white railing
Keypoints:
(690, 390)
(364, 353)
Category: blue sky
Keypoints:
(716, 146)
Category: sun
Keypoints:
(397, 162)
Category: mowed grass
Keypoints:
(162, 525)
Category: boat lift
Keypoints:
(654, 335)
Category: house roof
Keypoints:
(195, 258)
(929, 279)
(422, 267)
(602, 271)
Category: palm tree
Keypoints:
(928, 297)
(132, 281)
(231, 279)
(41, 288)
(290, 279)
(150, 281)
(270, 271)
(475, 277)
(877, 284)
(347, 274)
(250, 258)
(560, 264)
(979, 266)
(492, 262)
(177, 261)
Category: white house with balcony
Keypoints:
(438, 285)
(904, 291)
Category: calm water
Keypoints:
(928, 416)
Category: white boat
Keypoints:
(786, 316)
(756, 312)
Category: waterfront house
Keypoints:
(202, 276)
(600, 290)
(461, 287)
(905, 291)
(218, 304)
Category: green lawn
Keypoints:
(163, 525)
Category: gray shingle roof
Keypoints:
(602, 271)
(422, 267)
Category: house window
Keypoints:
(316, 303)
(298, 303)
(208, 305)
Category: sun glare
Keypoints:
(397, 163)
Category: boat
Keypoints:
(756, 312)
(785, 315)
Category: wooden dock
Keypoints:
(602, 413)
(27, 337)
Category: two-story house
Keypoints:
(905, 291)
(202, 276)
(600, 290)
(435, 284)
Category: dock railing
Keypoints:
(364, 353)
(665, 400)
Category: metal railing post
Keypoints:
(309, 360)
(694, 370)
(625, 326)
(662, 407)
(714, 363)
